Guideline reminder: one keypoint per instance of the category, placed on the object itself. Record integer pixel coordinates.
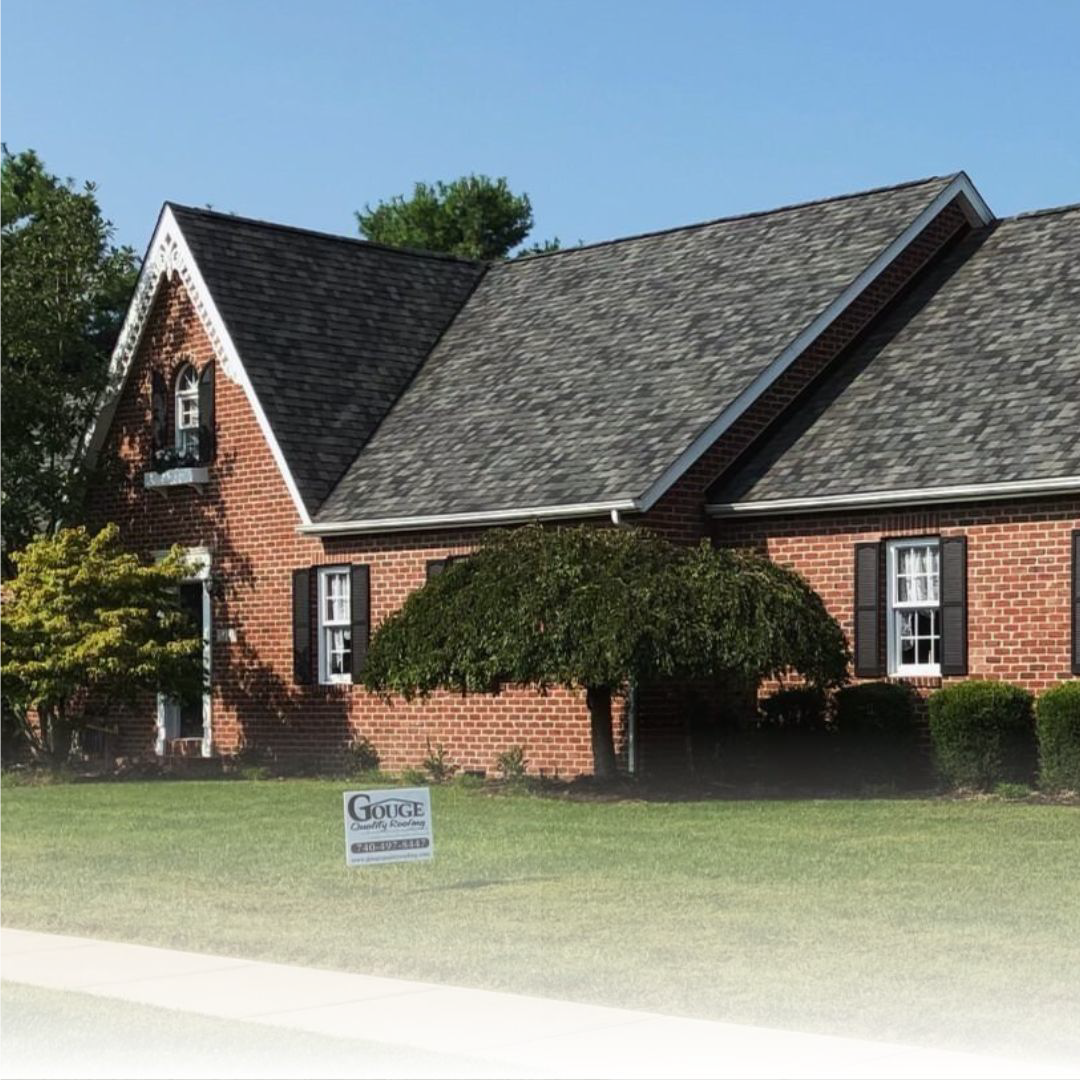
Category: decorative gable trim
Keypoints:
(979, 213)
(169, 257)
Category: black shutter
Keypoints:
(360, 616)
(868, 620)
(302, 625)
(434, 568)
(158, 397)
(953, 592)
(1075, 666)
(206, 414)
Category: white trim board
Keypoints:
(169, 254)
(1055, 485)
(480, 517)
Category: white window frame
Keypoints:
(326, 626)
(186, 436)
(896, 607)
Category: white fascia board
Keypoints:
(481, 517)
(168, 254)
(959, 185)
(1055, 485)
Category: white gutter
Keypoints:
(1055, 485)
(481, 517)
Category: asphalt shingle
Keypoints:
(972, 379)
(581, 376)
(330, 329)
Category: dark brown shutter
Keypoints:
(868, 621)
(158, 397)
(360, 617)
(953, 592)
(1075, 644)
(206, 414)
(302, 625)
(434, 568)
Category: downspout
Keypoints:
(632, 729)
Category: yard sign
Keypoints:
(388, 825)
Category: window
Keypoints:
(915, 629)
(335, 631)
(187, 412)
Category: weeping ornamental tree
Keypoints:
(597, 609)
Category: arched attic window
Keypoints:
(187, 412)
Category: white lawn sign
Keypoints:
(388, 825)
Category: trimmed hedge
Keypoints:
(796, 709)
(1057, 733)
(877, 708)
(877, 733)
(982, 733)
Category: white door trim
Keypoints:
(167, 714)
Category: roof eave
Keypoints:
(514, 516)
(860, 500)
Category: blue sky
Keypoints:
(615, 117)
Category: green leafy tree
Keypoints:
(474, 216)
(598, 609)
(65, 291)
(85, 622)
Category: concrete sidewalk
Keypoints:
(522, 1036)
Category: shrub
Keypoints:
(414, 777)
(795, 709)
(362, 756)
(982, 733)
(437, 765)
(878, 708)
(1058, 738)
(512, 764)
(877, 735)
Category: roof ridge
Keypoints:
(357, 240)
(1065, 208)
(750, 214)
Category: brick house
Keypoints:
(879, 389)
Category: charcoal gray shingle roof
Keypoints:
(972, 379)
(330, 329)
(582, 376)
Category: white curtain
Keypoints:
(917, 574)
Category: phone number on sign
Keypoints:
(388, 845)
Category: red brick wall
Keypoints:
(248, 520)
(1018, 574)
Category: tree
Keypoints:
(598, 609)
(83, 622)
(474, 216)
(65, 291)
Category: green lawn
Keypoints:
(953, 923)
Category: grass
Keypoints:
(952, 923)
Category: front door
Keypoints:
(184, 727)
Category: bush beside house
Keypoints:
(1057, 733)
(982, 734)
(877, 733)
